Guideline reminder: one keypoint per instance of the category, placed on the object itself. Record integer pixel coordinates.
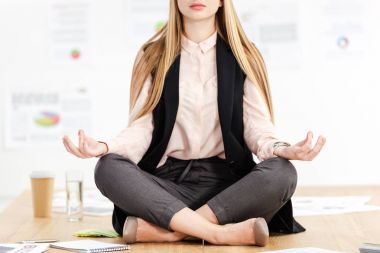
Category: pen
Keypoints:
(39, 241)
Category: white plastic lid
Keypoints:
(42, 174)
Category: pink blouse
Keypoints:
(197, 133)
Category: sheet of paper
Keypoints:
(309, 206)
(273, 26)
(94, 203)
(39, 116)
(303, 250)
(23, 248)
(70, 31)
(144, 18)
(344, 30)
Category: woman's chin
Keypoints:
(198, 16)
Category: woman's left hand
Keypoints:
(302, 150)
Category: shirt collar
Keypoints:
(204, 45)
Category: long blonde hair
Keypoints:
(159, 52)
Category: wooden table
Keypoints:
(344, 232)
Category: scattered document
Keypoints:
(38, 116)
(309, 206)
(144, 18)
(344, 32)
(303, 250)
(94, 203)
(274, 27)
(71, 31)
(370, 248)
(23, 248)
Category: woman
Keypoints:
(200, 106)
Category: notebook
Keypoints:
(89, 246)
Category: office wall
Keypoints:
(320, 81)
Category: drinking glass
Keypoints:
(74, 195)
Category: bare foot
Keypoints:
(148, 232)
(242, 233)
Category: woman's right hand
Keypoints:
(87, 148)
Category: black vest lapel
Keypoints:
(230, 105)
(164, 116)
(225, 63)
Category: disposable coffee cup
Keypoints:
(42, 192)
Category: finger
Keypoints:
(65, 144)
(305, 148)
(74, 150)
(301, 152)
(70, 150)
(83, 144)
(301, 143)
(81, 140)
(309, 139)
(85, 148)
(317, 148)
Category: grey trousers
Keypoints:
(178, 184)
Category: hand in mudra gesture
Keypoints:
(87, 148)
(302, 150)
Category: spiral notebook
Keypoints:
(89, 246)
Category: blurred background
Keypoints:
(66, 64)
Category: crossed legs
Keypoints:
(165, 216)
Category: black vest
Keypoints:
(230, 106)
